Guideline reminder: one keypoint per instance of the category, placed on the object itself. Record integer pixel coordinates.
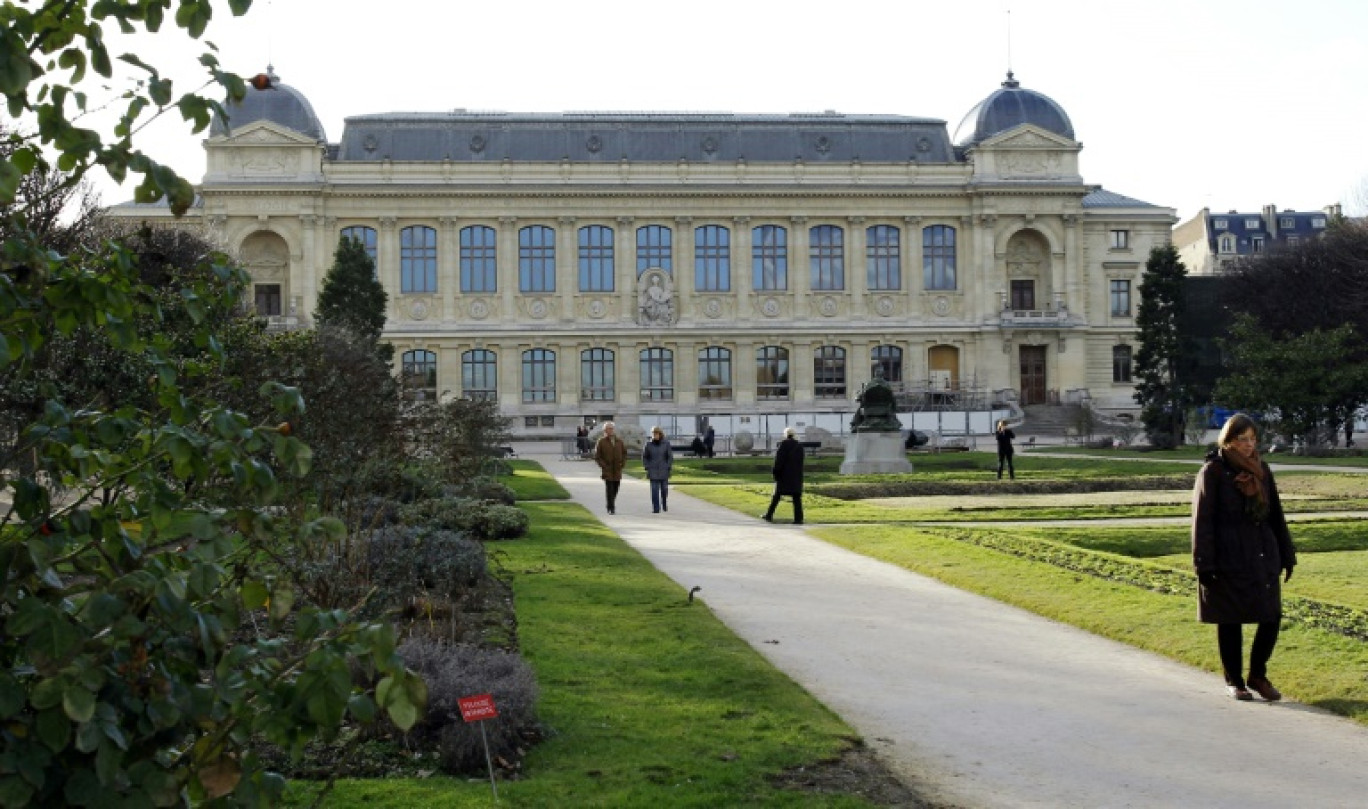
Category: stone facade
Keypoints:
(613, 282)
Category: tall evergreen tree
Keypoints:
(352, 296)
(1165, 357)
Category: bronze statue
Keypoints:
(878, 409)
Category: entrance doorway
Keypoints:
(1033, 382)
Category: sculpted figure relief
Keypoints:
(655, 298)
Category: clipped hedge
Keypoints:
(921, 488)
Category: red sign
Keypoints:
(477, 708)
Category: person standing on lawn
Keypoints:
(657, 457)
(1240, 549)
(788, 476)
(610, 453)
(1005, 437)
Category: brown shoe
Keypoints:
(1265, 689)
(1239, 692)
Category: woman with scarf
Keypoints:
(1240, 548)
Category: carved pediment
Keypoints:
(1030, 137)
(263, 150)
(263, 133)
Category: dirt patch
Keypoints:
(859, 773)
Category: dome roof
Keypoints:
(278, 103)
(1011, 106)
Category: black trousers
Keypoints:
(1006, 457)
(1230, 639)
(797, 507)
(611, 489)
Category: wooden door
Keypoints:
(1033, 381)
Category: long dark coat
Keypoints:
(788, 467)
(1246, 556)
(657, 458)
(610, 453)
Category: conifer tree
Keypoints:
(1165, 357)
(351, 295)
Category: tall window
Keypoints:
(479, 268)
(366, 236)
(827, 252)
(657, 375)
(1023, 294)
(1120, 298)
(536, 259)
(769, 258)
(417, 259)
(829, 372)
(596, 259)
(596, 375)
(883, 257)
(1121, 363)
(938, 257)
(889, 361)
(538, 375)
(771, 373)
(480, 375)
(1227, 244)
(420, 374)
(712, 259)
(714, 374)
(267, 299)
(654, 248)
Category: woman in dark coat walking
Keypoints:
(1240, 547)
(788, 476)
(657, 458)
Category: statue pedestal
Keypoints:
(878, 453)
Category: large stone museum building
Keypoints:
(748, 270)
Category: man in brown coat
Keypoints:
(610, 453)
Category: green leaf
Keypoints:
(11, 696)
(254, 595)
(78, 703)
(54, 730)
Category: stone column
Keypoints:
(448, 266)
(857, 268)
(914, 276)
(507, 268)
(567, 267)
(305, 277)
(743, 276)
(387, 261)
(684, 269)
(625, 268)
(800, 268)
(802, 376)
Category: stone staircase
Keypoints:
(1050, 423)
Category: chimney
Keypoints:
(1270, 217)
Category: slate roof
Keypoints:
(1102, 198)
(1010, 106)
(462, 136)
(280, 103)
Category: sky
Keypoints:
(1228, 104)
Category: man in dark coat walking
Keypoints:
(788, 476)
(610, 453)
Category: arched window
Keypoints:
(771, 373)
(595, 259)
(420, 374)
(597, 382)
(417, 259)
(654, 249)
(479, 265)
(657, 375)
(938, 257)
(714, 374)
(883, 258)
(1121, 363)
(480, 375)
(826, 248)
(889, 361)
(712, 259)
(366, 236)
(829, 372)
(769, 258)
(536, 259)
(538, 375)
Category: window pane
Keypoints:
(539, 375)
(480, 375)
(1121, 364)
(268, 300)
(1120, 298)
(888, 361)
(420, 374)
(938, 257)
(479, 269)
(596, 375)
(827, 250)
(829, 372)
(883, 258)
(714, 374)
(366, 236)
(769, 258)
(654, 243)
(537, 259)
(417, 260)
(1023, 294)
(657, 375)
(771, 373)
(712, 259)
(596, 259)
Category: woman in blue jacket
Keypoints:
(658, 459)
